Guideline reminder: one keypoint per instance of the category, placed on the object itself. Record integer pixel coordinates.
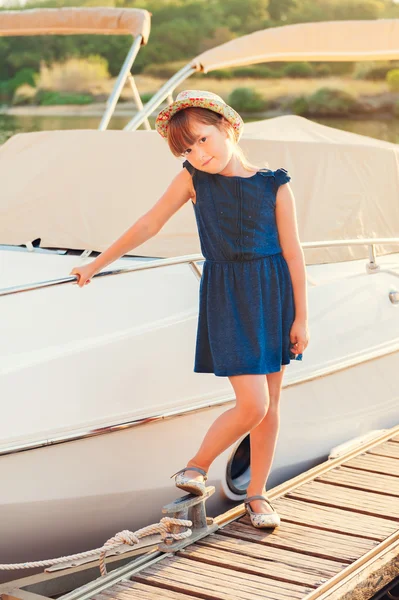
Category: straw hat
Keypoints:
(203, 99)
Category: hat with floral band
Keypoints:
(201, 99)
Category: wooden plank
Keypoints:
(217, 583)
(18, 594)
(395, 439)
(375, 464)
(250, 557)
(390, 449)
(307, 540)
(57, 583)
(359, 501)
(133, 590)
(353, 478)
(363, 581)
(334, 519)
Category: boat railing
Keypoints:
(193, 259)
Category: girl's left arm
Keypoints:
(292, 251)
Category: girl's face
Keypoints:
(212, 150)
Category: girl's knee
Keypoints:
(255, 413)
(252, 398)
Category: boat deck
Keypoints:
(338, 539)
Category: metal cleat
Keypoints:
(189, 507)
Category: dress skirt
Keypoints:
(246, 310)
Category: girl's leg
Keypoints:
(263, 440)
(251, 407)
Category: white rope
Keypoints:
(120, 538)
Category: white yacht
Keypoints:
(100, 404)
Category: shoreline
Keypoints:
(374, 99)
(96, 109)
(128, 110)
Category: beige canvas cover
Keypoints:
(330, 40)
(83, 189)
(345, 185)
(64, 21)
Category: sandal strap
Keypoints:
(258, 497)
(203, 473)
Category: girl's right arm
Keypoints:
(178, 193)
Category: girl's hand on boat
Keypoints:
(299, 336)
(84, 274)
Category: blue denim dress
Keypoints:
(246, 300)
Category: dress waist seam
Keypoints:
(208, 260)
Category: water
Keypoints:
(10, 124)
(382, 129)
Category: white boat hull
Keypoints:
(73, 496)
(129, 361)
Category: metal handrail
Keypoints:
(192, 258)
(351, 242)
(163, 262)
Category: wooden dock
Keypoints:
(338, 540)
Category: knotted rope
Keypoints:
(120, 538)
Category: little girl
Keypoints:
(252, 301)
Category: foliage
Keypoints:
(373, 70)
(146, 97)
(164, 70)
(293, 69)
(393, 79)
(222, 74)
(5, 95)
(257, 71)
(245, 17)
(167, 70)
(340, 68)
(25, 94)
(74, 75)
(23, 77)
(337, 10)
(182, 29)
(48, 98)
(221, 35)
(299, 106)
(329, 101)
(279, 9)
(245, 99)
(322, 70)
(298, 69)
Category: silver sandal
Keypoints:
(262, 520)
(190, 485)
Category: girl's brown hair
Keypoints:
(181, 136)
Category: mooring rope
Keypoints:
(122, 537)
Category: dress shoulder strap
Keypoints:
(278, 177)
(189, 167)
(281, 176)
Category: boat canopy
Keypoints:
(319, 41)
(90, 21)
(92, 185)
(66, 21)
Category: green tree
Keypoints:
(181, 29)
(245, 17)
(279, 10)
(335, 10)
